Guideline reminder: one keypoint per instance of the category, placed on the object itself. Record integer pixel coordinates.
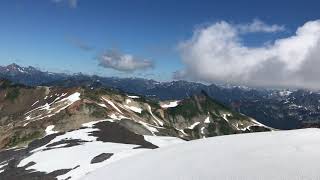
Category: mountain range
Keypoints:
(277, 108)
(99, 122)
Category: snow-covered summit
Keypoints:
(277, 155)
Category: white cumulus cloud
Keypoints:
(123, 62)
(216, 53)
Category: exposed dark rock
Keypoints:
(134, 127)
(43, 141)
(101, 157)
(19, 173)
(67, 142)
(113, 132)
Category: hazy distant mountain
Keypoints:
(28, 75)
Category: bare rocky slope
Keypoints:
(27, 111)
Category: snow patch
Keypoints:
(112, 104)
(134, 97)
(202, 130)
(92, 123)
(53, 108)
(259, 124)
(182, 131)
(285, 93)
(35, 103)
(128, 101)
(150, 127)
(170, 105)
(163, 141)
(159, 122)
(207, 120)
(2, 165)
(49, 130)
(117, 117)
(102, 105)
(133, 108)
(193, 125)
(225, 117)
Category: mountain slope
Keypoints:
(281, 155)
(72, 154)
(200, 116)
(27, 111)
(92, 127)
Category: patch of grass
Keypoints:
(152, 103)
(4, 84)
(187, 109)
(18, 139)
(157, 114)
(93, 95)
(212, 130)
(237, 116)
(12, 94)
(144, 114)
(97, 111)
(225, 128)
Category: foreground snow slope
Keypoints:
(281, 155)
(73, 154)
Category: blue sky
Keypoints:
(47, 33)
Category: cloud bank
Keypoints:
(123, 62)
(216, 53)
